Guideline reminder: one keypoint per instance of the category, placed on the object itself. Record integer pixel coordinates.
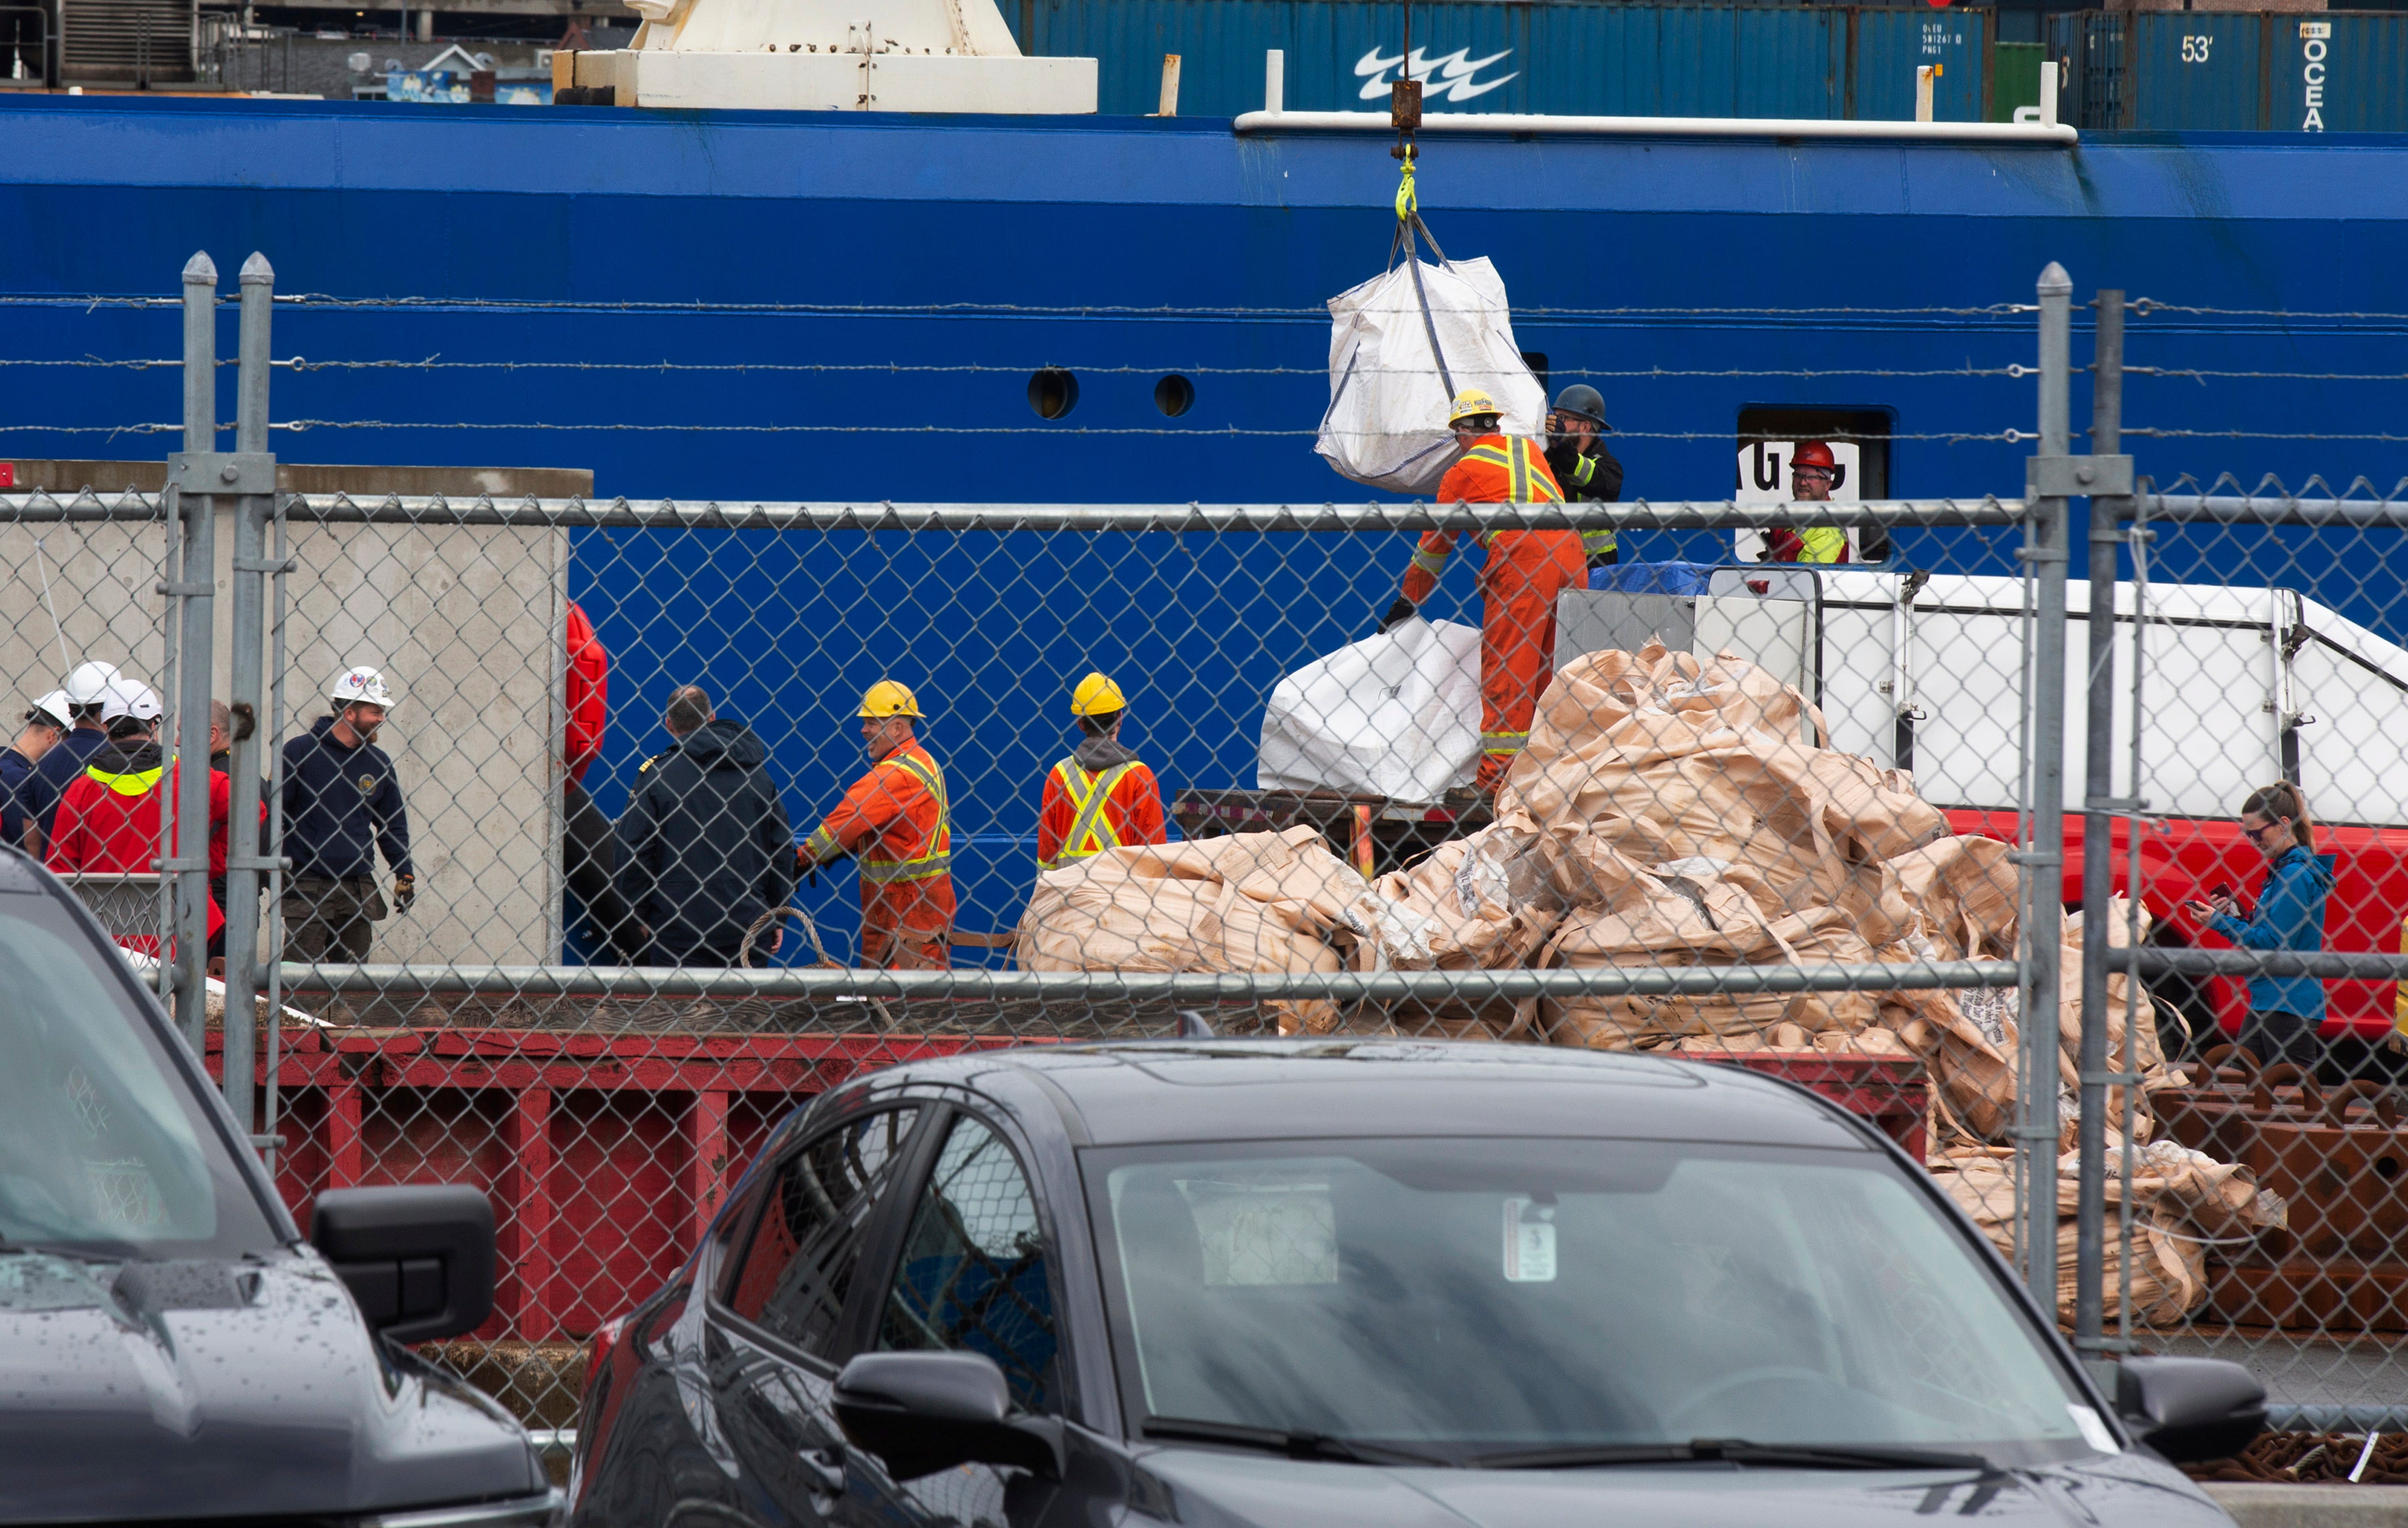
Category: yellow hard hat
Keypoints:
(889, 698)
(1096, 696)
(1469, 403)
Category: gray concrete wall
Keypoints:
(467, 625)
(99, 580)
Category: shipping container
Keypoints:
(2015, 77)
(2337, 71)
(1573, 58)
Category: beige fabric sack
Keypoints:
(1486, 902)
(1247, 902)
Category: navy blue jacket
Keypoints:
(704, 846)
(341, 805)
(2290, 916)
(15, 768)
(39, 798)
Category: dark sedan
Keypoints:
(1219, 1283)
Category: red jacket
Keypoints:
(588, 694)
(109, 820)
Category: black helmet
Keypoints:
(1582, 399)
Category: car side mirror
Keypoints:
(921, 1412)
(2190, 1408)
(419, 1257)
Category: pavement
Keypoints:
(2255, 1505)
(2307, 1368)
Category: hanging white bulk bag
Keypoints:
(1395, 715)
(1401, 346)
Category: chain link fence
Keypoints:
(590, 918)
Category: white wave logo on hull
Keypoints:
(1445, 77)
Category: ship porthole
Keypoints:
(1053, 392)
(1174, 395)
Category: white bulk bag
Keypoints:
(1395, 715)
(1388, 393)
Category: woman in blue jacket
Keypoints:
(2283, 1011)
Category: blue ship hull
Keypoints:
(919, 270)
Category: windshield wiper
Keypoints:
(1816, 1456)
(10, 1247)
(1296, 1444)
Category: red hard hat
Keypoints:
(1813, 453)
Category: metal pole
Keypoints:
(2098, 844)
(249, 611)
(191, 739)
(2037, 1135)
(271, 729)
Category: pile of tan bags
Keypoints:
(1667, 811)
(2184, 1202)
(1670, 811)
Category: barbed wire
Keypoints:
(2141, 307)
(2012, 370)
(2259, 435)
(2145, 305)
(1196, 432)
(435, 363)
(2202, 374)
(954, 309)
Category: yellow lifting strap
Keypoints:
(1407, 204)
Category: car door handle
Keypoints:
(827, 1466)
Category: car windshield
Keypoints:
(104, 1150)
(1480, 1298)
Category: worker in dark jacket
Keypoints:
(342, 804)
(46, 722)
(38, 796)
(704, 848)
(1584, 468)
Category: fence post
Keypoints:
(249, 598)
(2098, 848)
(188, 863)
(2036, 1131)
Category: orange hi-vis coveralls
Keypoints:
(1518, 584)
(1083, 814)
(897, 821)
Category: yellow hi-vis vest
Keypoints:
(939, 858)
(1090, 832)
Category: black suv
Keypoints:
(170, 1347)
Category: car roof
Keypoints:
(1131, 1093)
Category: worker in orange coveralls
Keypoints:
(1102, 796)
(1525, 571)
(897, 821)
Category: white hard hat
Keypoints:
(130, 697)
(88, 684)
(55, 706)
(360, 685)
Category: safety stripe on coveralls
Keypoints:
(1526, 486)
(936, 862)
(1088, 824)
